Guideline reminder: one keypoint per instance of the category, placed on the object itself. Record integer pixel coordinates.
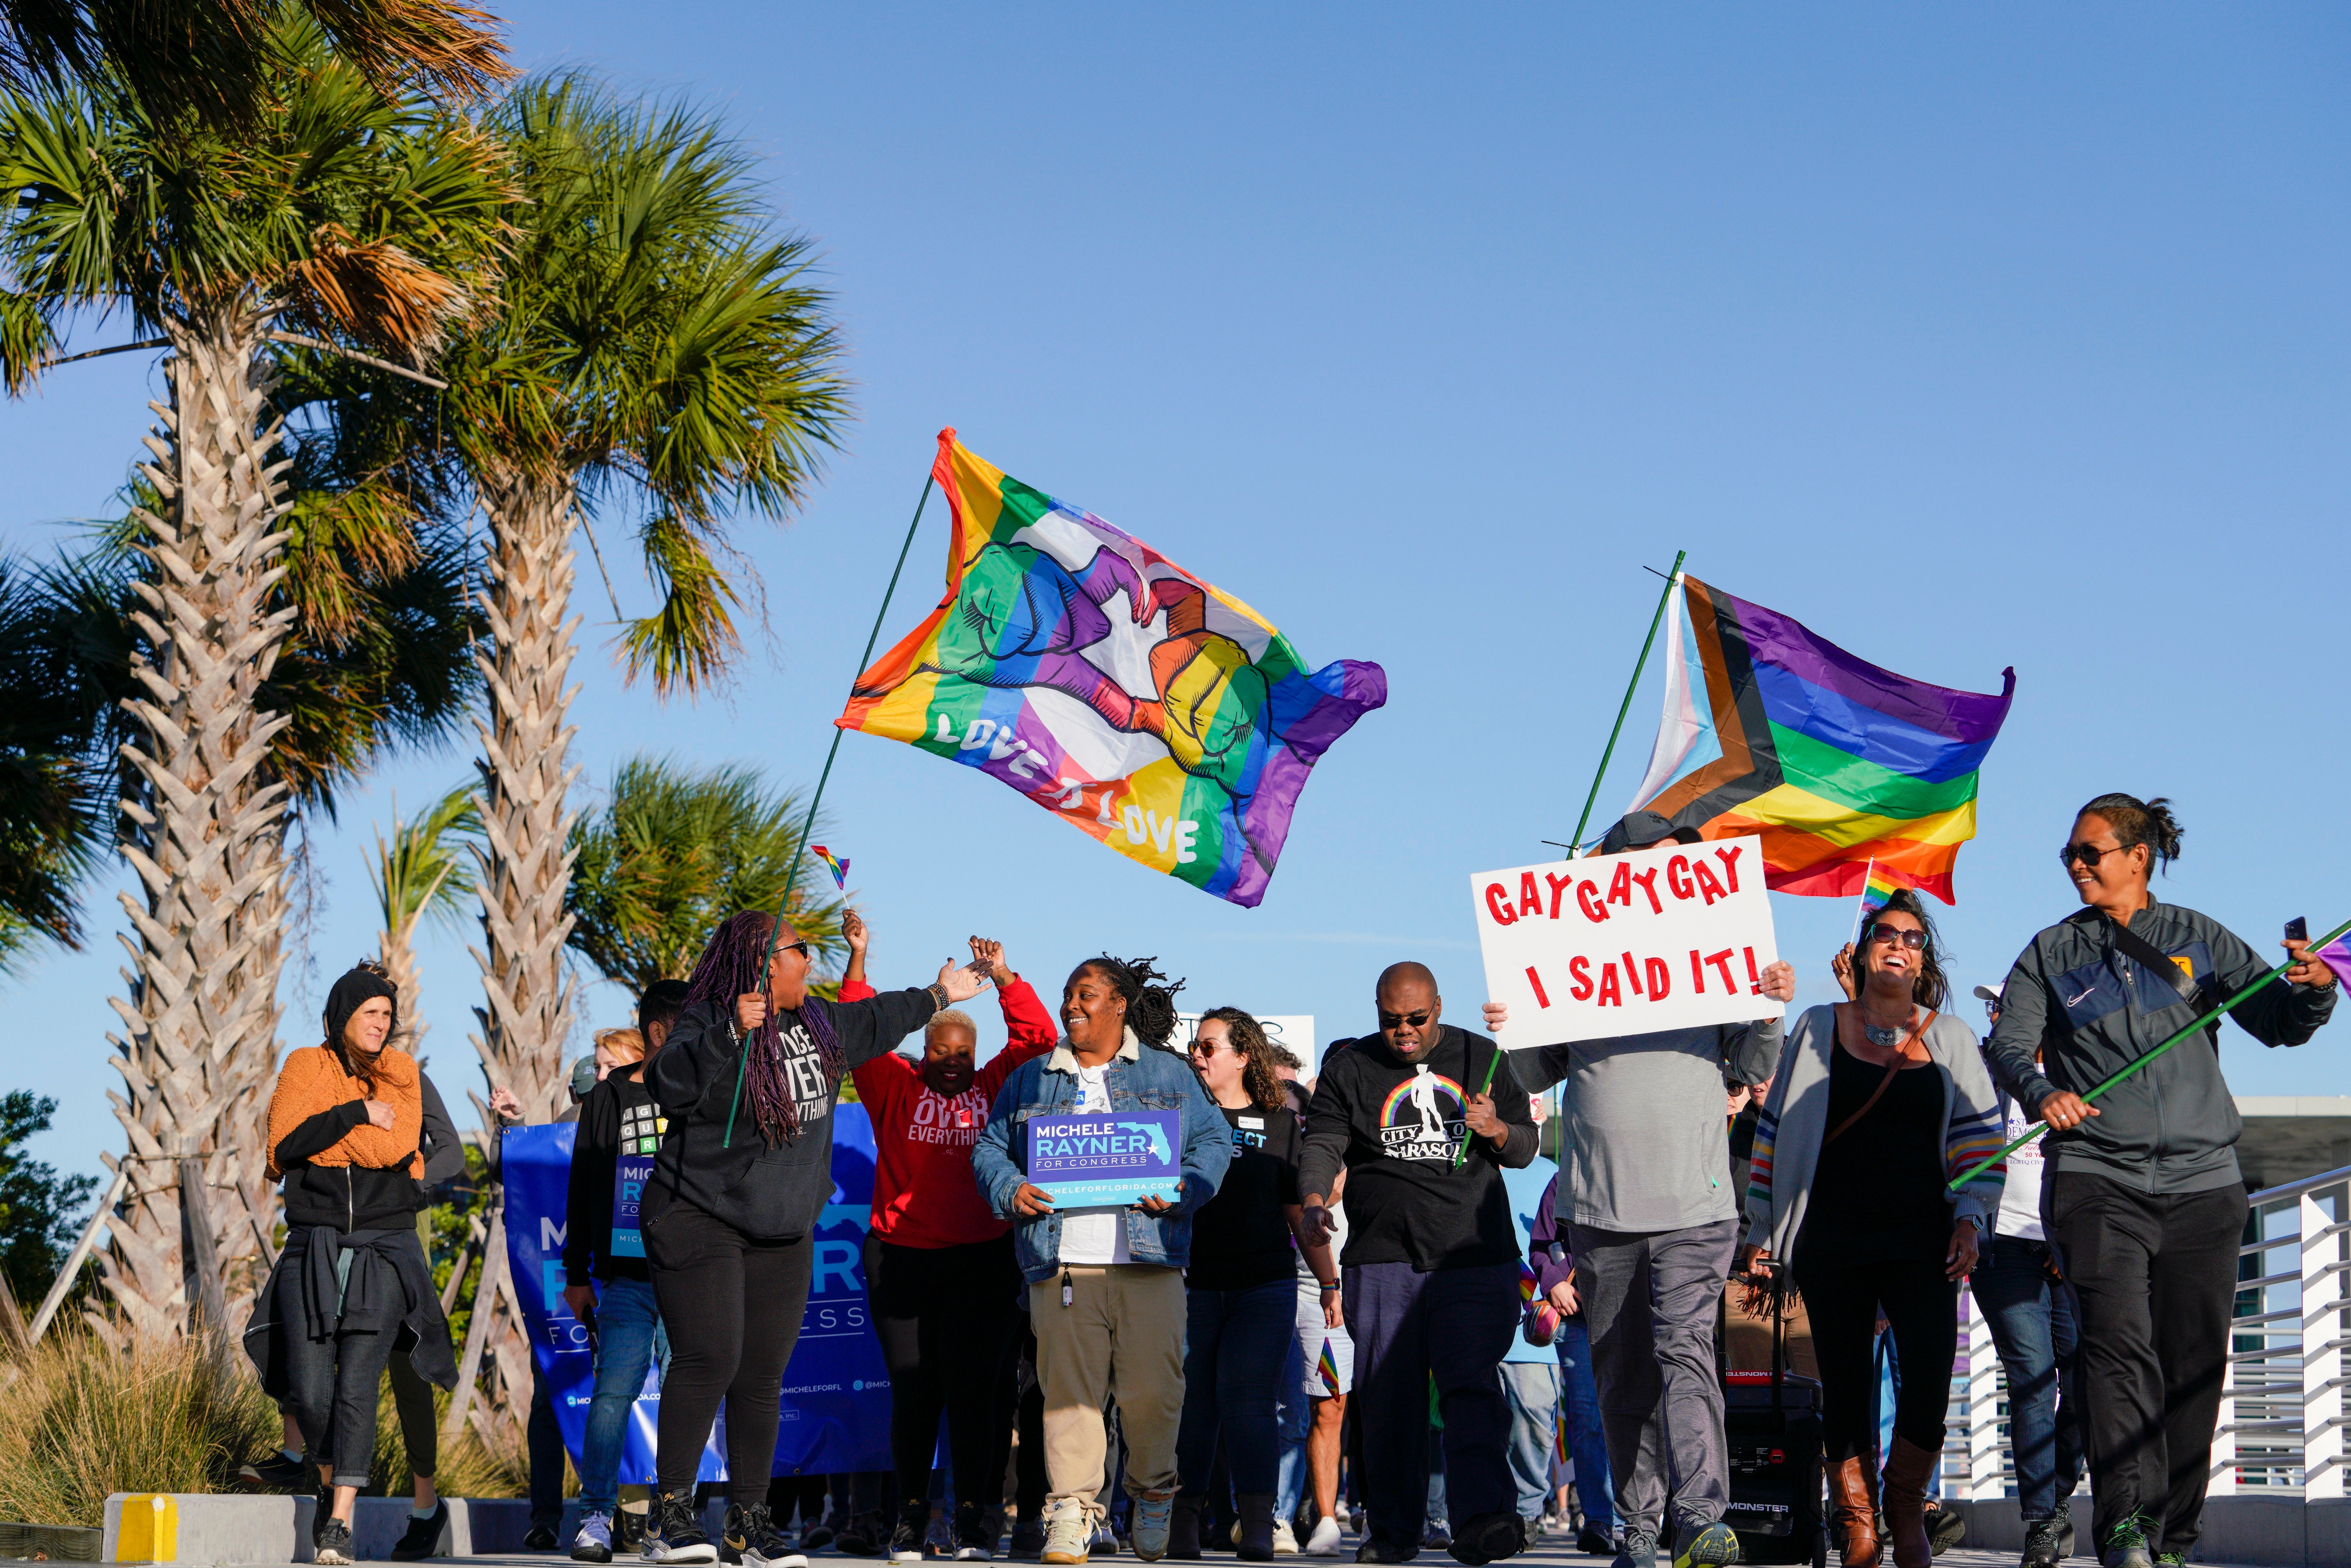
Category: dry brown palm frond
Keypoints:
(376, 292)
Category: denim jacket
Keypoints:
(1139, 1079)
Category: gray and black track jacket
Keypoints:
(2088, 1010)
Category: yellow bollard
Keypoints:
(151, 1529)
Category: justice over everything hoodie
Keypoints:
(2076, 1000)
(924, 1193)
(1397, 1127)
(771, 1193)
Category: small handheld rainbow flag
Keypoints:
(1877, 890)
(833, 863)
(2336, 956)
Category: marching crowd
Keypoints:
(1370, 1307)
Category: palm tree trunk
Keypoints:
(398, 950)
(525, 857)
(205, 825)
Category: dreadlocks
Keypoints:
(734, 964)
(1150, 996)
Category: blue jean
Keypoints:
(628, 1338)
(1234, 1346)
(1293, 1410)
(2031, 1321)
(1587, 1443)
(1533, 1390)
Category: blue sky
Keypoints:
(1970, 338)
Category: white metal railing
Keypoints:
(2284, 1426)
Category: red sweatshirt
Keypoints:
(924, 1194)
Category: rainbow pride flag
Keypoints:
(1135, 701)
(838, 867)
(1836, 763)
(2336, 956)
(1877, 888)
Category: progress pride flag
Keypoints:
(1670, 937)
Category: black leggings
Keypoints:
(1922, 1310)
(944, 1316)
(733, 1308)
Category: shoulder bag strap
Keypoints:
(2146, 955)
(1901, 1056)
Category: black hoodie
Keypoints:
(771, 1194)
(1398, 1130)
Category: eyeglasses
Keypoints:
(1209, 1048)
(799, 947)
(1911, 938)
(1398, 1020)
(2089, 855)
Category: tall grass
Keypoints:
(81, 1421)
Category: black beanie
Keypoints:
(352, 992)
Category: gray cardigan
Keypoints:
(1794, 1120)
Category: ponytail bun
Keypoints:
(2137, 821)
(1150, 996)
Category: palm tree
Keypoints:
(673, 853)
(51, 821)
(657, 346)
(419, 873)
(208, 60)
(344, 218)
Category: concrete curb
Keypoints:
(232, 1528)
(2273, 1531)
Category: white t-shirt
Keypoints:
(1094, 1235)
(2020, 1199)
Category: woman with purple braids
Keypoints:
(747, 1081)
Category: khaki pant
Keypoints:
(1123, 1334)
(1747, 1337)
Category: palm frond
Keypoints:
(672, 852)
(54, 810)
(423, 870)
(692, 637)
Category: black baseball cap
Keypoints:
(1644, 827)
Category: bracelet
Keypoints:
(939, 997)
(1332, 1286)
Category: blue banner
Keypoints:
(830, 1420)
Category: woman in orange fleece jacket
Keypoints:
(344, 1125)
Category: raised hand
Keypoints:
(989, 957)
(853, 932)
(961, 982)
(1497, 1015)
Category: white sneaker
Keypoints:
(1324, 1541)
(1285, 1539)
(1068, 1532)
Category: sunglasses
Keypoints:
(799, 947)
(1397, 1021)
(2088, 854)
(1209, 1048)
(1912, 940)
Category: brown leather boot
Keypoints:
(1907, 1467)
(1855, 1512)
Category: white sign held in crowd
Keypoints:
(1670, 937)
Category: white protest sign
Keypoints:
(1675, 937)
(1292, 1032)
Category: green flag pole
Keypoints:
(808, 822)
(2042, 1127)
(1672, 579)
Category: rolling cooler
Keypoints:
(1773, 1422)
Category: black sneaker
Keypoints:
(541, 1538)
(1946, 1528)
(1639, 1551)
(2125, 1546)
(322, 1508)
(276, 1473)
(1714, 1546)
(751, 1537)
(913, 1520)
(421, 1539)
(974, 1534)
(2041, 1548)
(674, 1530)
(1594, 1542)
(863, 1537)
(1376, 1550)
(816, 1537)
(334, 1547)
(1488, 1537)
(2171, 1560)
(1027, 1540)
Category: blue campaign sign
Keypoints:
(1099, 1160)
(830, 1419)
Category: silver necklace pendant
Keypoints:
(1887, 1038)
